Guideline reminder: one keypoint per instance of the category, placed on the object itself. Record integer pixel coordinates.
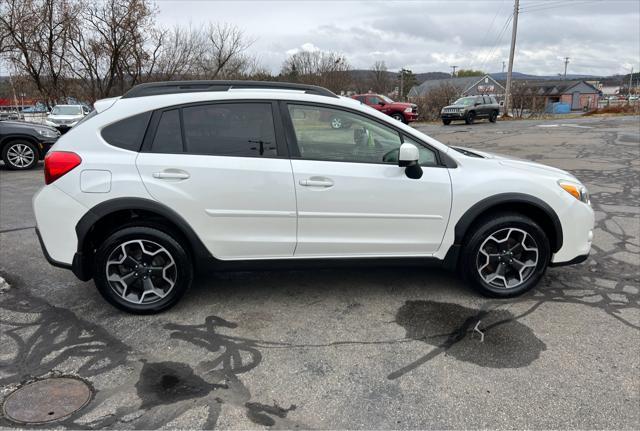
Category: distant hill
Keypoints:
(363, 74)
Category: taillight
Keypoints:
(58, 163)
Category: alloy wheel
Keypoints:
(20, 155)
(336, 123)
(141, 271)
(507, 258)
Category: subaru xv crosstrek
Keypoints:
(177, 177)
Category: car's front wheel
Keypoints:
(493, 116)
(398, 117)
(506, 255)
(20, 155)
(142, 270)
(470, 117)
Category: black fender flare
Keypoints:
(103, 209)
(463, 224)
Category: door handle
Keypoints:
(171, 175)
(316, 182)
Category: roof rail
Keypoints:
(174, 87)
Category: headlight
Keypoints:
(48, 133)
(407, 110)
(578, 191)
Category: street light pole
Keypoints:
(514, 30)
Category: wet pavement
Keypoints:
(361, 348)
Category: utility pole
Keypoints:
(504, 64)
(514, 30)
(566, 62)
(401, 82)
(630, 81)
(453, 71)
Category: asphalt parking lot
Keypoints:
(361, 348)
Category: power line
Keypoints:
(496, 42)
(473, 62)
(555, 5)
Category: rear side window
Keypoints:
(128, 133)
(230, 129)
(168, 138)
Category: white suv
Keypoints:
(176, 177)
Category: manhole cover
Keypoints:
(46, 400)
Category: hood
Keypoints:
(66, 117)
(402, 105)
(455, 106)
(515, 162)
(26, 125)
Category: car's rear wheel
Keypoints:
(142, 270)
(470, 117)
(494, 116)
(446, 122)
(398, 116)
(20, 155)
(506, 255)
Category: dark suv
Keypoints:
(469, 108)
(22, 144)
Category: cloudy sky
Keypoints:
(601, 37)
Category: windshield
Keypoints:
(66, 110)
(385, 98)
(465, 101)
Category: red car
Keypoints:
(401, 111)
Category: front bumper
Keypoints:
(576, 260)
(452, 116)
(410, 116)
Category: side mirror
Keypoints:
(382, 103)
(408, 159)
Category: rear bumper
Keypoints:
(57, 214)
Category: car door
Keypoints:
(374, 102)
(353, 199)
(225, 170)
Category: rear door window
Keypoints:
(230, 129)
(127, 133)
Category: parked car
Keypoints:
(64, 117)
(11, 115)
(401, 111)
(36, 109)
(471, 108)
(178, 177)
(23, 144)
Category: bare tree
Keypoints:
(36, 35)
(430, 104)
(380, 81)
(328, 69)
(225, 53)
(108, 43)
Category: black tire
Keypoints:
(446, 122)
(336, 123)
(493, 117)
(496, 224)
(398, 117)
(20, 155)
(182, 277)
(470, 117)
